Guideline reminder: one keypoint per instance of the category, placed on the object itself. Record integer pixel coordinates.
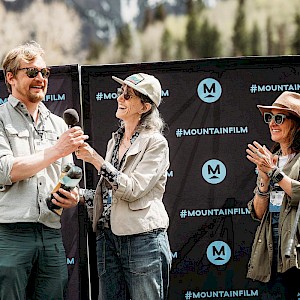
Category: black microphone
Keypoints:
(71, 117)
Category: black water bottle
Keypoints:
(69, 179)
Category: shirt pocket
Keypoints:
(19, 140)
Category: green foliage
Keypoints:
(270, 39)
(209, 40)
(124, 40)
(296, 38)
(148, 18)
(191, 38)
(166, 45)
(160, 13)
(94, 51)
(194, 6)
(255, 40)
(239, 39)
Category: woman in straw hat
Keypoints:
(275, 256)
(129, 217)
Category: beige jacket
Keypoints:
(137, 203)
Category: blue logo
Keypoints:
(209, 90)
(218, 253)
(214, 171)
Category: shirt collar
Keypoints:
(43, 110)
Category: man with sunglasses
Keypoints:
(276, 199)
(34, 146)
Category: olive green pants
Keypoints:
(32, 262)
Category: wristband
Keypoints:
(263, 194)
(277, 175)
(271, 173)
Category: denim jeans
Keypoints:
(133, 267)
(32, 262)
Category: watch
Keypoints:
(277, 176)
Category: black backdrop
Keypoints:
(210, 108)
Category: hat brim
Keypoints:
(264, 109)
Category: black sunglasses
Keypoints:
(278, 119)
(33, 72)
(126, 96)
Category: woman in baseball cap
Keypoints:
(275, 250)
(129, 217)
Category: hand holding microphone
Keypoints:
(73, 137)
(71, 174)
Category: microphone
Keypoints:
(71, 174)
(71, 117)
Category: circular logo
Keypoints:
(214, 171)
(218, 253)
(209, 90)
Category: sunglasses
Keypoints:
(278, 119)
(33, 72)
(126, 96)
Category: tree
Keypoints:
(209, 40)
(239, 39)
(296, 38)
(255, 41)
(191, 37)
(148, 18)
(282, 44)
(94, 51)
(160, 13)
(124, 41)
(166, 45)
(270, 39)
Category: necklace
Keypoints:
(124, 145)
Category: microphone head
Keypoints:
(71, 116)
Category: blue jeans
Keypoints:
(32, 262)
(133, 267)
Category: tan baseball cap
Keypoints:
(145, 84)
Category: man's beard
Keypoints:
(34, 98)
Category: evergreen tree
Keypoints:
(160, 13)
(255, 41)
(282, 44)
(94, 51)
(296, 38)
(193, 6)
(239, 39)
(166, 45)
(148, 18)
(209, 40)
(124, 40)
(270, 39)
(191, 37)
(179, 53)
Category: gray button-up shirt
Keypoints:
(25, 201)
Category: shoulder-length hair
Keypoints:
(152, 119)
